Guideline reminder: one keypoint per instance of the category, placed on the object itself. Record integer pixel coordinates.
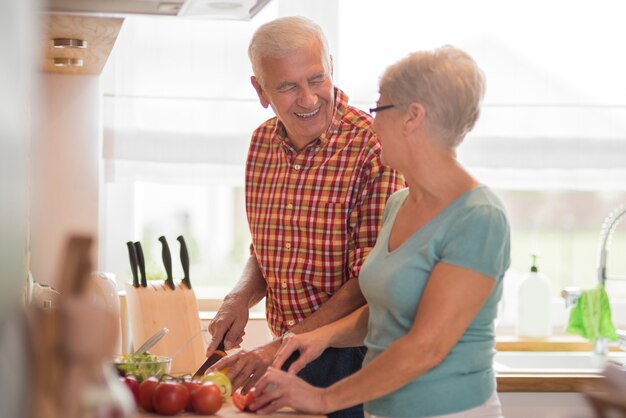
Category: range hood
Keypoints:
(210, 9)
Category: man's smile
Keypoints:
(307, 115)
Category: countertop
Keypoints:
(229, 411)
(546, 382)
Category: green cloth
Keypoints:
(591, 317)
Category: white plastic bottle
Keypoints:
(534, 296)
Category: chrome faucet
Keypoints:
(572, 294)
(606, 235)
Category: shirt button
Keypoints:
(283, 284)
(289, 206)
(291, 322)
(296, 167)
(288, 246)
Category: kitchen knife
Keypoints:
(132, 255)
(167, 262)
(213, 358)
(142, 264)
(184, 259)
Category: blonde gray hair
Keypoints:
(447, 82)
(283, 37)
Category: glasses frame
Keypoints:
(381, 108)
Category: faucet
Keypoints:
(572, 294)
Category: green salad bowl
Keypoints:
(142, 366)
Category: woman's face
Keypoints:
(386, 125)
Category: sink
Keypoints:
(553, 362)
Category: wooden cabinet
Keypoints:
(99, 33)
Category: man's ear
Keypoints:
(259, 91)
(415, 117)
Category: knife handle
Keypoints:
(142, 263)
(184, 259)
(132, 255)
(167, 262)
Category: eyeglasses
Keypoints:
(381, 108)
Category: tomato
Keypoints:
(207, 399)
(222, 381)
(192, 386)
(133, 385)
(146, 389)
(238, 400)
(170, 398)
(242, 402)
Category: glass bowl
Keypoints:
(143, 365)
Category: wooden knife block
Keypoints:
(156, 306)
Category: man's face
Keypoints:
(300, 91)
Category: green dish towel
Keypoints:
(591, 317)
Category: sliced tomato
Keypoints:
(242, 402)
(239, 401)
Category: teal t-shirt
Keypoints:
(472, 232)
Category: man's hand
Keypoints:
(228, 324)
(247, 366)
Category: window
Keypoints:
(551, 140)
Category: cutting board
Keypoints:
(156, 306)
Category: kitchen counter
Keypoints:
(538, 382)
(229, 411)
(547, 382)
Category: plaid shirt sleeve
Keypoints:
(377, 182)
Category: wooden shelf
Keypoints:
(99, 33)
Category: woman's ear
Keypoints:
(259, 91)
(415, 117)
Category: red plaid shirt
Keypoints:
(314, 214)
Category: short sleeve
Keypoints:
(479, 240)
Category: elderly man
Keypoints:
(315, 194)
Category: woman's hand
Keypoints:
(309, 344)
(277, 389)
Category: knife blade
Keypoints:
(211, 360)
(184, 260)
(167, 262)
(132, 255)
(142, 264)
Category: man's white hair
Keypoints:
(283, 37)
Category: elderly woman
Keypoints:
(434, 278)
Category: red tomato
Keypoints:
(192, 386)
(238, 400)
(133, 385)
(242, 402)
(146, 389)
(170, 398)
(207, 399)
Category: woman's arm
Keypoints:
(348, 331)
(446, 309)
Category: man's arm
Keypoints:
(232, 317)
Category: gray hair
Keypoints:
(282, 37)
(447, 82)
